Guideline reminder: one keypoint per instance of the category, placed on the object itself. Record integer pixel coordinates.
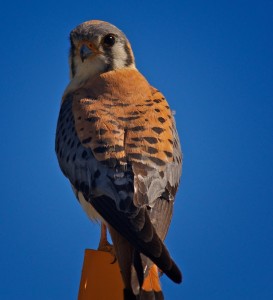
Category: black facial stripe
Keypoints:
(72, 55)
(109, 54)
(129, 59)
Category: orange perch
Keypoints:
(101, 279)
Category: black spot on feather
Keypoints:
(157, 129)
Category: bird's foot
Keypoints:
(107, 247)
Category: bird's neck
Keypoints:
(120, 80)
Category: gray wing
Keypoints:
(110, 190)
(161, 213)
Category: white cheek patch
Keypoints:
(119, 56)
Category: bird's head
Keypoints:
(98, 47)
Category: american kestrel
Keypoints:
(117, 143)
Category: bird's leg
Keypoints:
(104, 245)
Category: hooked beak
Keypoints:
(85, 52)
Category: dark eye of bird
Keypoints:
(109, 40)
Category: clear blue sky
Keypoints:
(213, 61)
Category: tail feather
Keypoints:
(151, 295)
(129, 295)
(140, 232)
(138, 267)
(151, 288)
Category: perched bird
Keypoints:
(117, 143)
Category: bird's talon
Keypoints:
(107, 247)
(114, 260)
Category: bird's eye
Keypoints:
(109, 40)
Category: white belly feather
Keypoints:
(88, 208)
